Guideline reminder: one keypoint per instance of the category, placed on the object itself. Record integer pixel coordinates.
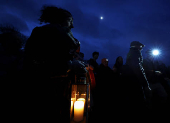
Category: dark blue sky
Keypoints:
(147, 21)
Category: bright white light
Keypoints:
(155, 52)
(101, 18)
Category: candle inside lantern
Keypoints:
(78, 111)
(81, 99)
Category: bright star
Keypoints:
(101, 18)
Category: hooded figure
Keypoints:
(135, 56)
(135, 61)
(136, 85)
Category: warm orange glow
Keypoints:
(71, 108)
(78, 111)
(73, 99)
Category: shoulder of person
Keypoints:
(35, 30)
(50, 28)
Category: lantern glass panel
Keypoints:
(80, 92)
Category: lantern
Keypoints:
(80, 99)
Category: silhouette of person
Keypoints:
(48, 53)
(11, 57)
(52, 44)
(105, 76)
(117, 66)
(93, 70)
(92, 62)
(135, 83)
(104, 88)
(11, 53)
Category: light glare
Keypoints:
(155, 52)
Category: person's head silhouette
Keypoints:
(55, 15)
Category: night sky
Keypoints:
(147, 21)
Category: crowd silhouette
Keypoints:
(39, 75)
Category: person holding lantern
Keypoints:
(49, 52)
